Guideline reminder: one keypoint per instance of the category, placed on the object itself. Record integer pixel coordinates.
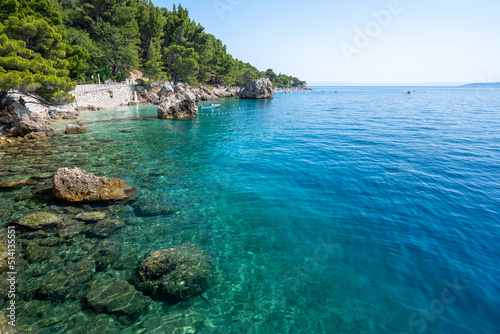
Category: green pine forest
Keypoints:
(48, 46)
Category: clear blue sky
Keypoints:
(420, 41)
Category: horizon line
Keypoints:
(428, 84)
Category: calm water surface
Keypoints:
(345, 210)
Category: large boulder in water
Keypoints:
(76, 185)
(175, 274)
(178, 106)
(259, 89)
(34, 122)
(11, 114)
(74, 129)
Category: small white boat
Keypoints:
(211, 106)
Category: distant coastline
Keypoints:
(429, 84)
(377, 84)
(484, 84)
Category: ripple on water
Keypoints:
(322, 212)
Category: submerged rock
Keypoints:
(106, 253)
(74, 129)
(44, 176)
(91, 216)
(259, 89)
(14, 184)
(5, 327)
(119, 298)
(178, 106)
(68, 282)
(58, 314)
(36, 253)
(73, 229)
(175, 274)
(76, 185)
(105, 228)
(35, 136)
(4, 251)
(150, 207)
(171, 323)
(38, 220)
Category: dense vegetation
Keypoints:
(46, 46)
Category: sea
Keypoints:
(335, 210)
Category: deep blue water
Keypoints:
(342, 210)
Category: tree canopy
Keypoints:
(34, 56)
(47, 45)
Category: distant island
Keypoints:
(484, 84)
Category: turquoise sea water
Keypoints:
(342, 210)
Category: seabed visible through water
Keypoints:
(319, 219)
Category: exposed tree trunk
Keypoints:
(3, 98)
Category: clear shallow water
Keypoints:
(324, 212)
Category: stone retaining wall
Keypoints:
(112, 95)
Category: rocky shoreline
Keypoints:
(174, 102)
(79, 214)
(159, 94)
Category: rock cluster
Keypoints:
(178, 106)
(87, 108)
(156, 94)
(35, 124)
(74, 129)
(259, 89)
(76, 185)
(175, 274)
(203, 93)
(159, 94)
(65, 114)
(19, 121)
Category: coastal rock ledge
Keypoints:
(178, 106)
(76, 185)
(259, 89)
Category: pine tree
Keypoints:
(33, 59)
(154, 66)
(182, 63)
